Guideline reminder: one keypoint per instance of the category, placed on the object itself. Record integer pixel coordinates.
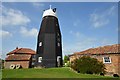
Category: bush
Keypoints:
(88, 65)
(66, 58)
(66, 61)
(67, 64)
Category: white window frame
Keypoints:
(39, 59)
(104, 60)
(58, 57)
(40, 44)
(58, 44)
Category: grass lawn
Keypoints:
(46, 73)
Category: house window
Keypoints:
(106, 60)
(39, 59)
(40, 44)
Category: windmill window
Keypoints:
(58, 44)
(59, 39)
(40, 44)
(58, 34)
(39, 59)
(56, 24)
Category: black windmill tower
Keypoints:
(49, 44)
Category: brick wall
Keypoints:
(111, 68)
(24, 64)
(119, 65)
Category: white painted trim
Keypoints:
(39, 59)
(40, 44)
(49, 12)
(104, 59)
(58, 57)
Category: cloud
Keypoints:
(84, 42)
(38, 4)
(4, 34)
(13, 17)
(76, 34)
(102, 18)
(29, 33)
(111, 10)
(98, 20)
(79, 46)
(76, 23)
(81, 42)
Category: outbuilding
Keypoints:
(20, 58)
(109, 55)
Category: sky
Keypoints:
(83, 25)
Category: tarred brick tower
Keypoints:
(49, 44)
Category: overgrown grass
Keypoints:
(46, 73)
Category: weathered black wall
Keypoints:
(50, 37)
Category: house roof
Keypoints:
(101, 50)
(22, 51)
(18, 57)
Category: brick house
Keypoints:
(20, 56)
(109, 55)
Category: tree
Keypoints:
(66, 58)
(1, 63)
(66, 61)
(88, 65)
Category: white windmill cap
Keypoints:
(49, 12)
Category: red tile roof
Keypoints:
(18, 57)
(101, 50)
(22, 51)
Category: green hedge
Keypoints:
(88, 65)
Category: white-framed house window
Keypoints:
(106, 60)
(40, 44)
(39, 59)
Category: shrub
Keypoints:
(66, 58)
(67, 64)
(66, 61)
(88, 65)
(102, 74)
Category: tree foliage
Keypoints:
(88, 65)
(66, 58)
